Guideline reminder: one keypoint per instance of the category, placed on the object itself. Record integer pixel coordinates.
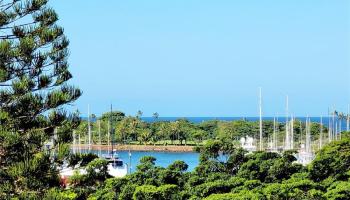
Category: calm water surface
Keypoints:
(192, 159)
(163, 158)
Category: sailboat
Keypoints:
(260, 122)
(348, 119)
(289, 126)
(274, 136)
(306, 155)
(321, 134)
(116, 166)
(66, 171)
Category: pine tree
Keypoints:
(33, 91)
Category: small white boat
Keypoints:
(304, 157)
(116, 166)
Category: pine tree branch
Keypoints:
(9, 5)
(21, 25)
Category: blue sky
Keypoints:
(208, 58)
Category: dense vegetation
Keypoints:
(224, 172)
(127, 129)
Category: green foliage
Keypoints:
(268, 167)
(243, 195)
(127, 192)
(150, 192)
(216, 187)
(338, 191)
(128, 129)
(300, 189)
(96, 173)
(111, 190)
(146, 192)
(178, 165)
(259, 175)
(103, 194)
(61, 195)
(34, 89)
(113, 116)
(332, 161)
(168, 192)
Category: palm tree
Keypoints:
(164, 131)
(144, 136)
(175, 130)
(341, 117)
(347, 122)
(348, 119)
(133, 128)
(122, 130)
(139, 114)
(155, 116)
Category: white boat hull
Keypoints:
(119, 171)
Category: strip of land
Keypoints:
(121, 147)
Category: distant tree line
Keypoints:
(127, 129)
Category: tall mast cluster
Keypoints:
(304, 139)
(260, 121)
(308, 148)
(289, 137)
(89, 129)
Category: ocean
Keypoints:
(325, 120)
(197, 120)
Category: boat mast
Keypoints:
(321, 133)
(112, 130)
(129, 161)
(108, 136)
(329, 127)
(333, 122)
(277, 133)
(348, 119)
(260, 120)
(307, 142)
(89, 128)
(301, 133)
(340, 129)
(74, 143)
(340, 119)
(336, 133)
(79, 144)
(340, 123)
(292, 133)
(99, 135)
(274, 135)
(287, 139)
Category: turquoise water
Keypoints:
(163, 158)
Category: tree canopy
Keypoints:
(33, 91)
(227, 172)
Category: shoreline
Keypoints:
(123, 147)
